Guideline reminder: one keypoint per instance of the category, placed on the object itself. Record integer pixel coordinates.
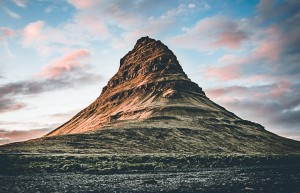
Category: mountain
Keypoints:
(151, 86)
(151, 106)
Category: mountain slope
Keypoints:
(151, 106)
(150, 84)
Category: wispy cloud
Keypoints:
(83, 4)
(48, 40)
(275, 105)
(5, 32)
(64, 73)
(69, 63)
(19, 135)
(20, 3)
(12, 14)
(7, 104)
(212, 33)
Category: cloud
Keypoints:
(19, 135)
(33, 33)
(47, 40)
(223, 73)
(276, 105)
(270, 11)
(127, 21)
(212, 33)
(93, 25)
(191, 5)
(12, 14)
(270, 45)
(69, 63)
(275, 52)
(7, 104)
(152, 26)
(20, 3)
(79, 4)
(124, 22)
(66, 72)
(5, 32)
(11, 92)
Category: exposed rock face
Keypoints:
(150, 86)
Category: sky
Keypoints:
(57, 55)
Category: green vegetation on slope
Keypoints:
(131, 163)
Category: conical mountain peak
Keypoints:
(149, 78)
(150, 85)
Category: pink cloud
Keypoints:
(70, 62)
(212, 33)
(83, 4)
(270, 46)
(93, 24)
(81, 31)
(273, 91)
(278, 89)
(224, 73)
(232, 40)
(269, 50)
(17, 135)
(33, 32)
(5, 32)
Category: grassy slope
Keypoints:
(161, 140)
(131, 163)
(136, 149)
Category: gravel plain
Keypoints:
(239, 179)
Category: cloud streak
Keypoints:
(12, 14)
(64, 73)
(83, 4)
(276, 105)
(5, 33)
(20, 3)
(17, 135)
(70, 63)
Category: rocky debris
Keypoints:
(238, 179)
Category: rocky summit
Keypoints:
(151, 106)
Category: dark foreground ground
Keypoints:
(242, 179)
(34, 173)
